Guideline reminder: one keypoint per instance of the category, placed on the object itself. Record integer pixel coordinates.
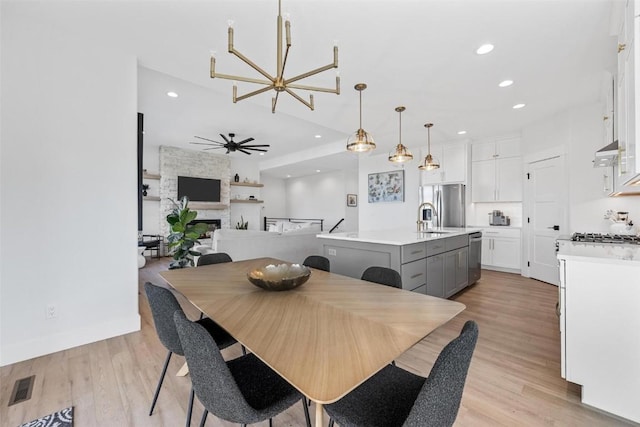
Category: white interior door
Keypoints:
(546, 216)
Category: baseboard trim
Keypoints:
(41, 346)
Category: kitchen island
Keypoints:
(599, 312)
(434, 262)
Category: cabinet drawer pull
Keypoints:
(416, 252)
(416, 275)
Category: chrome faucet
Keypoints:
(421, 223)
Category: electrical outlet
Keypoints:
(51, 312)
(331, 252)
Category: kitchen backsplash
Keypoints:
(478, 213)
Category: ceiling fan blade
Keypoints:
(244, 151)
(225, 138)
(246, 140)
(205, 143)
(213, 148)
(256, 145)
(206, 139)
(255, 149)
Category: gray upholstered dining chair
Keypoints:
(383, 276)
(163, 304)
(395, 397)
(243, 390)
(215, 258)
(317, 261)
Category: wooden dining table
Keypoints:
(325, 337)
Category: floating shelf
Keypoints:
(246, 201)
(152, 198)
(147, 175)
(246, 184)
(208, 205)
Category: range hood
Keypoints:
(606, 156)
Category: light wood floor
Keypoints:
(514, 378)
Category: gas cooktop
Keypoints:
(605, 238)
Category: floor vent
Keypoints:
(22, 390)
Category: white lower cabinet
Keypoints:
(501, 249)
(599, 323)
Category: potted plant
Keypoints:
(242, 224)
(183, 235)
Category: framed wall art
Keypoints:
(386, 186)
(352, 200)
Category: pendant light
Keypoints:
(429, 163)
(361, 141)
(402, 154)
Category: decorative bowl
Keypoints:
(281, 277)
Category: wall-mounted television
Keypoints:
(199, 189)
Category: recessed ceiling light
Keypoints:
(288, 176)
(462, 132)
(172, 94)
(317, 170)
(518, 106)
(262, 154)
(485, 48)
(505, 83)
(318, 136)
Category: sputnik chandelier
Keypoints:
(277, 82)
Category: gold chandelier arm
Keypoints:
(274, 102)
(252, 64)
(241, 79)
(312, 72)
(295, 95)
(318, 89)
(250, 94)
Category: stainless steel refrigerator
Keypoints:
(448, 200)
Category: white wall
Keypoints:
(384, 216)
(580, 132)
(323, 195)
(274, 194)
(68, 191)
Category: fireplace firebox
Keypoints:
(213, 224)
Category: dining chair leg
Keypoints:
(331, 422)
(164, 371)
(190, 410)
(204, 418)
(244, 350)
(393, 362)
(270, 422)
(306, 411)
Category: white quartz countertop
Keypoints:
(399, 237)
(599, 252)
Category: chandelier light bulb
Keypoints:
(230, 23)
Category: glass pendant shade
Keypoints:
(402, 153)
(360, 141)
(429, 162)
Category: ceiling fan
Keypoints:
(231, 145)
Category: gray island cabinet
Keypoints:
(434, 263)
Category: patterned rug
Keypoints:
(62, 418)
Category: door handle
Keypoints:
(555, 227)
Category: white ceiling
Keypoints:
(420, 54)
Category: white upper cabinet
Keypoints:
(453, 164)
(628, 165)
(496, 171)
